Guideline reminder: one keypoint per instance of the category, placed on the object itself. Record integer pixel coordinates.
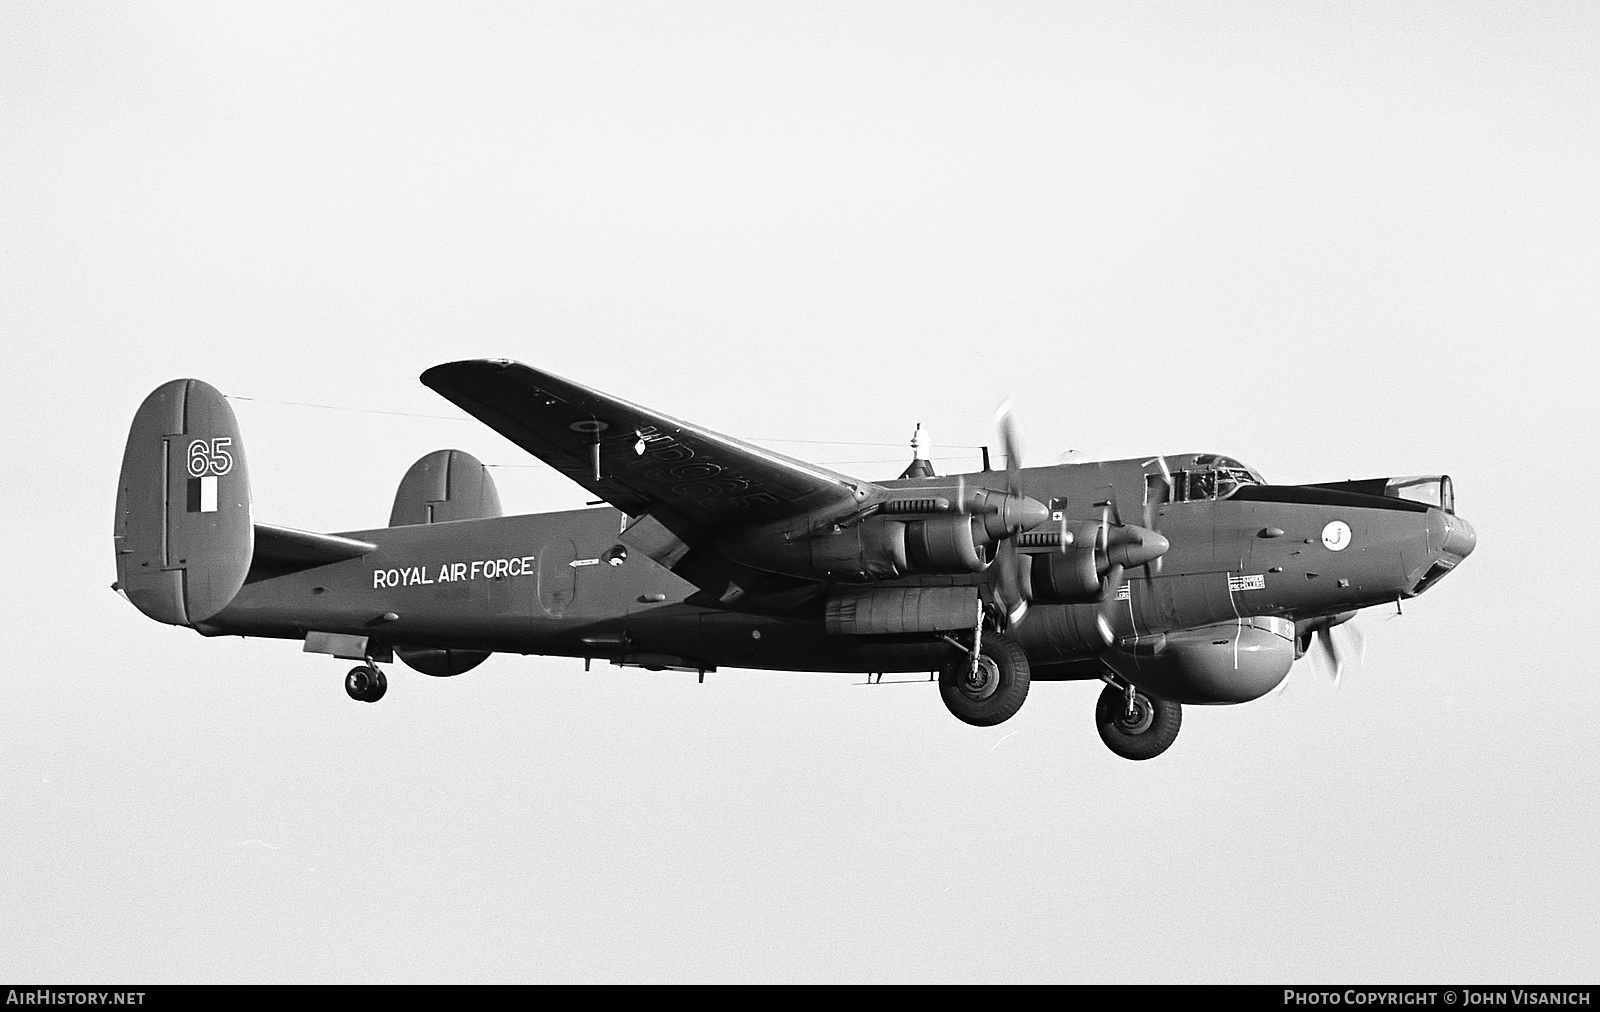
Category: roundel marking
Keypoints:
(1336, 536)
(590, 425)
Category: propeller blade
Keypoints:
(1010, 447)
(1108, 597)
(1150, 504)
(1013, 589)
(1330, 650)
(1013, 583)
(1353, 645)
(1336, 643)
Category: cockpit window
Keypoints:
(1428, 489)
(1212, 483)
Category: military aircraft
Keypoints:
(707, 551)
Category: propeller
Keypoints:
(1114, 576)
(1116, 545)
(1127, 544)
(1014, 590)
(1336, 642)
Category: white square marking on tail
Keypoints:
(208, 494)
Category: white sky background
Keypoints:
(1332, 240)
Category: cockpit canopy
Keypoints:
(1428, 489)
(1204, 483)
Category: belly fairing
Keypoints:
(1230, 662)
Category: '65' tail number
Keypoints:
(210, 457)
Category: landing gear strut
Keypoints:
(1134, 725)
(365, 683)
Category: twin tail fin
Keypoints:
(183, 535)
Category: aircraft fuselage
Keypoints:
(564, 583)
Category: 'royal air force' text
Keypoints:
(453, 572)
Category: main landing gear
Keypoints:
(1134, 725)
(365, 683)
(984, 686)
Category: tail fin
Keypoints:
(445, 485)
(184, 536)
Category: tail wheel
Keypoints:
(1142, 733)
(992, 693)
(365, 684)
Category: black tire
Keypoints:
(1148, 733)
(1003, 685)
(365, 684)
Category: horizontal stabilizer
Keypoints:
(281, 550)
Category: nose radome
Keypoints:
(1459, 537)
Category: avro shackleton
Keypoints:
(715, 552)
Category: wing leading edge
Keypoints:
(641, 461)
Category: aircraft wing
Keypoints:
(639, 460)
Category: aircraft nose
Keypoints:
(1459, 537)
(1450, 540)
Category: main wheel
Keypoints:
(1143, 734)
(995, 691)
(365, 684)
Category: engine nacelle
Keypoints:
(944, 532)
(1066, 577)
(1075, 573)
(877, 548)
(943, 545)
(874, 549)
